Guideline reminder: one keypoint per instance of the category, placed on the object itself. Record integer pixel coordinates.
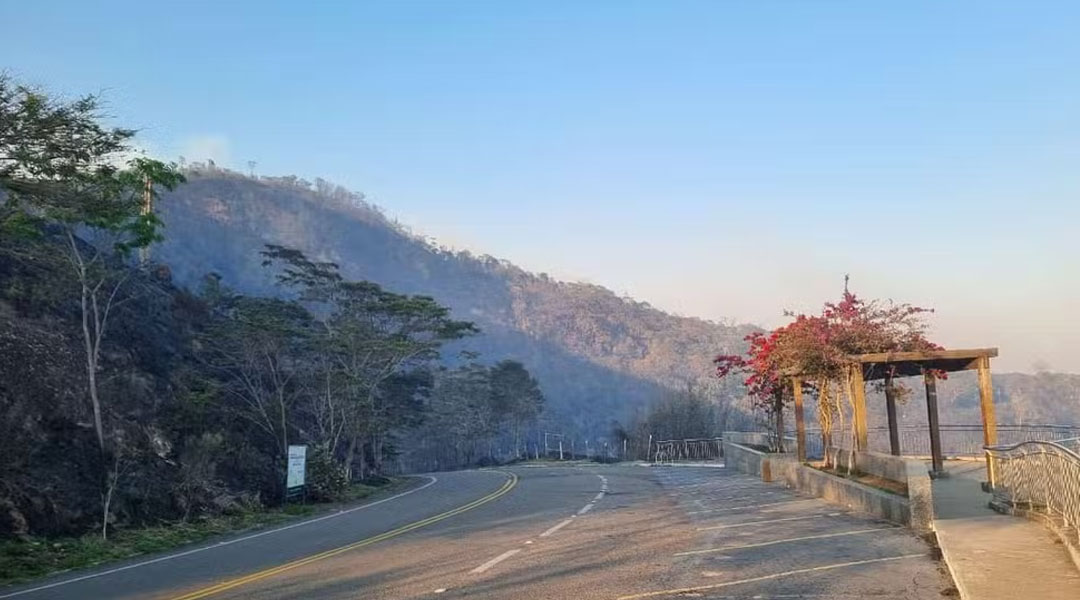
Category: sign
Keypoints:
(297, 462)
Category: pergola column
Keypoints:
(936, 457)
(858, 397)
(800, 420)
(986, 402)
(890, 409)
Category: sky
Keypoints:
(726, 160)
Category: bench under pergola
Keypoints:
(889, 365)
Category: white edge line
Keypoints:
(498, 559)
(767, 577)
(726, 508)
(556, 528)
(219, 544)
(785, 541)
(766, 521)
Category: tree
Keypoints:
(516, 397)
(59, 174)
(371, 336)
(259, 346)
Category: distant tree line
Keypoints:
(693, 412)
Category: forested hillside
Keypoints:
(126, 400)
(597, 356)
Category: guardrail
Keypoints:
(692, 450)
(957, 441)
(1040, 476)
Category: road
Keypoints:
(577, 532)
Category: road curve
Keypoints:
(580, 532)
(440, 497)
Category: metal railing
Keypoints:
(957, 441)
(1040, 476)
(694, 450)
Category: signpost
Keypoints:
(294, 478)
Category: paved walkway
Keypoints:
(994, 556)
(763, 541)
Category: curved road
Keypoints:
(293, 562)
(579, 532)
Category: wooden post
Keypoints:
(986, 402)
(890, 408)
(935, 427)
(779, 407)
(858, 397)
(800, 420)
(826, 434)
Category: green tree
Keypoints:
(60, 172)
(515, 397)
(260, 347)
(371, 336)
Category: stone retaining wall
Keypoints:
(915, 511)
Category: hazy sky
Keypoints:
(718, 159)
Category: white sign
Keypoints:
(297, 459)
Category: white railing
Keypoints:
(1039, 476)
(957, 440)
(695, 450)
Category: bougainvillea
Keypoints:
(816, 347)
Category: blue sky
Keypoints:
(718, 159)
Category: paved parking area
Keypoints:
(763, 541)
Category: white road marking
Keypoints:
(220, 544)
(498, 559)
(786, 541)
(556, 528)
(703, 588)
(549, 532)
(726, 508)
(440, 590)
(597, 498)
(766, 521)
(747, 496)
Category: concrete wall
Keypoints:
(887, 466)
(747, 437)
(747, 460)
(915, 511)
(757, 438)
(845, 492)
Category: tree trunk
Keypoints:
(778, 407)
(91, 349)
(363, 461)
(350, 456)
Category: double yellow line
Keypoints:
(246, 579)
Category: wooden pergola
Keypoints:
(888, 365)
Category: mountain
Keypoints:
(598, 357)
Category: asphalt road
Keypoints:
(577, 532)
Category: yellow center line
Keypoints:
(246, 579)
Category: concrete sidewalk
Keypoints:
(994, 556)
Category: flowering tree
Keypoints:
(763, 374)
(815, 348)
